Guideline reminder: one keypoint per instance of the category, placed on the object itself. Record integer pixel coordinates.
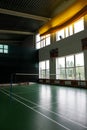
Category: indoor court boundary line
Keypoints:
(46, 104)
(58, 114)
(36, 111)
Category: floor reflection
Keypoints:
(45, 96)
(72, 103)
(69, 102)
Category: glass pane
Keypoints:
(42, 69)
(5, 51)
(70, 61)
(1, 50)
(42, 43)
(60, 35)
(42, 65)
(79, 59)
(6, 47)
(47, 64)
(79, 25)
(47, 74)
(70, 73)
(43, 73)
(1, 46)
(48, 41)
(38, 45)
(70, 29)
(67, 32)
(37, 37)
(61, 63)
(60, 73)
(80, 74)
(56, 36)
(57, 73)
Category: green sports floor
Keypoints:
(43, 107)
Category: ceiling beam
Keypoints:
(10, 41)
(23, 15)
(16, 32)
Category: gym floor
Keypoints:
(43, 107)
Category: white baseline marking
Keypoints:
(36, 105)
(36, 111)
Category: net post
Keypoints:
(11, 83)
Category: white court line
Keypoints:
(69, 109)
(51, 104)
(60, 115)
(36, 111)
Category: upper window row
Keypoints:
(70, 30)
(3, 48)
(61, 34)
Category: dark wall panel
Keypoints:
(20, 59)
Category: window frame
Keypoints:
(3, 49)
(44, 70)
(73, 68)
(43, 41)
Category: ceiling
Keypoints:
(20, 19)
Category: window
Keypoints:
(42, 41)
(66, 31)
(60, 35)
(79, 25)
(79, 59)
(37, 41)
(70, 67)
(47, 69)
(71, 30)
(44, 69)
(48, 39)
(60, 68)
(3, 48)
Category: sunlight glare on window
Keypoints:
(66, 31)
(70, 61)
(60, 35)
(79, 59)
(37, 37)
(48, 39)
(79, 25)
(38, 45)
(61, 62)
(71, 30)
